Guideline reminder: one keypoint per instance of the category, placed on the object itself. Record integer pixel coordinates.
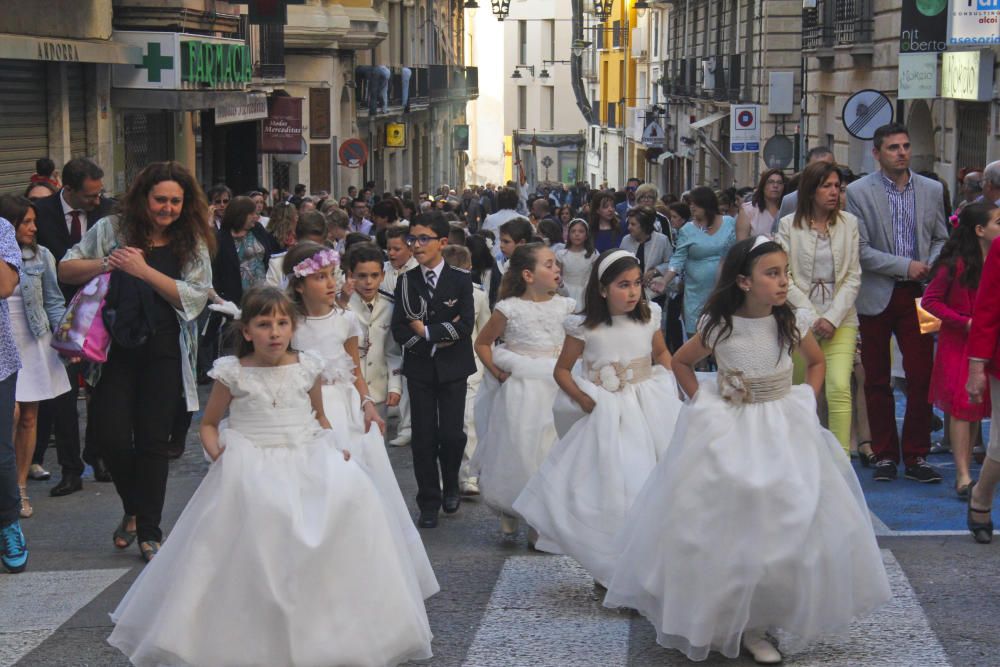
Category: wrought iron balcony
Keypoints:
(834, 23)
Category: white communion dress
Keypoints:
(576, 269)
(514, 420)
(285, 555)
(578, 498)
(754, 520)
(325, 336)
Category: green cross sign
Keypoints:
(155, 63)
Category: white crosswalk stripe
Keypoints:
(542, 612)
(35, 604)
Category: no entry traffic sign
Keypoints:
(353, 153)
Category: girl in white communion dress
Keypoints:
(626, 403)
(754, 521)
(287, 554)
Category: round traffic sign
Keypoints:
(745, 118)
(353, 153)
(778, 152)
(865, 111)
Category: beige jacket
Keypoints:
(380, 355)
(800, 244)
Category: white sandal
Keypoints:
(762, 650)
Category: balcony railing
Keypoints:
(434, 82)
(837, 23)
(266, 44)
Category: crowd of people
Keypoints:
(538, 352)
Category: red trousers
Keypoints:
(900, 319)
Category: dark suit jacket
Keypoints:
(54, 234)
(449, 317)
(226, 266)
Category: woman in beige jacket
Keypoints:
(824, 259)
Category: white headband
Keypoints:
(759, 241)
(611, 259)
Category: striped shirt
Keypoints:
(903, 207)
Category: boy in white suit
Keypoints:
(460, 257)
(380, 356)
(400, 261)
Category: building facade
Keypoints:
(852, 46)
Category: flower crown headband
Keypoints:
(317, 262)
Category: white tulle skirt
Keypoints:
(341, 404)
(754, 520)
(578, 498)
(283, 556)
(514, 427)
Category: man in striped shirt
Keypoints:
(901, 221)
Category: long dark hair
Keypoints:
(595, 310)
(260, 300)
(588, 242)
(758, 198)
(597, 198)
(524, 258)
(727, 297)
(191, 227)
(963, 245)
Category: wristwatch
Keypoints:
(105, 264)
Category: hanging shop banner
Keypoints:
(924, 26)
(255, 108)
(967, 75)
(973, 22)
(281, 131)
(917, 76)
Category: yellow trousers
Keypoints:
(839, 353)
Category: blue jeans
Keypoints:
(10, 496)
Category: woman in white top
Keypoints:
(757, 216)
(824, 260)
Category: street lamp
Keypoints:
(602, 9)
(544, 74)
(640, 7)
(470, 4)
(501, 8)
(579, 46)
(518, 68)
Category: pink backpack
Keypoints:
(82, 332)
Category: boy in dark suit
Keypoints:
(433, 322)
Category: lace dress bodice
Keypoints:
(576, 267)
(271, 405)
(752, 347)
(533, 328)
(326, 336)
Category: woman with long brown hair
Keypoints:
(604, 225)
(822, 243)
(159, 249)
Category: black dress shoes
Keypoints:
(428, 519)
(451, 503)
(67, 485)
(101, 472)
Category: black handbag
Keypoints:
(128, 309)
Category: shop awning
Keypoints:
(178, 100)
(708, 120)
(59, 49)
(712, 148)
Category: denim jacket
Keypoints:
(43, 300)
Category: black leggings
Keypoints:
(137, 400)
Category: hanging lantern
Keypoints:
(501, 8)
(602, 9)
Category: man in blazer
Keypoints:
(901, 224)
(433, 321)
(63, 218)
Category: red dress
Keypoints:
(951, 301)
